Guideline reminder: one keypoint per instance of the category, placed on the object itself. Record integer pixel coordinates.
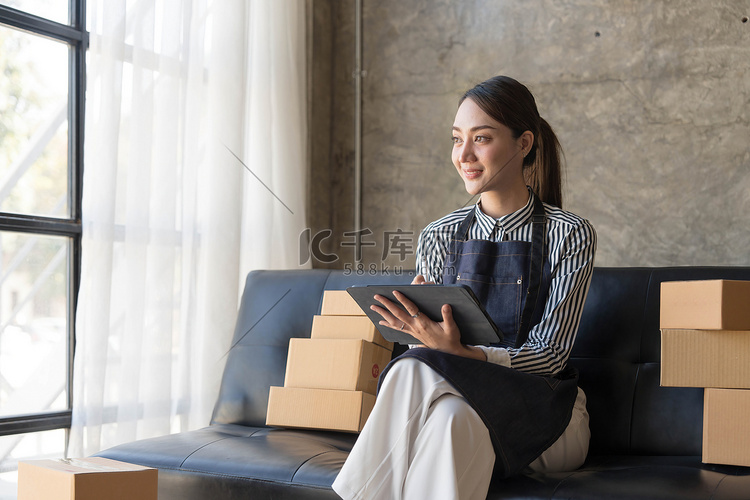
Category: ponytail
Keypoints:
(543, 166)
(512, 104)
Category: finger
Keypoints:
(392, 313)
(449, 324)
(387, 316)
(408, 304)
(402, 327)
(393, 309)
(421, 280)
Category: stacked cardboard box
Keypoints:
(705, 342)
(331, 378)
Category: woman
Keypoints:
(449, 415)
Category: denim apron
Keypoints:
(524, 413)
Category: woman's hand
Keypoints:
(420, 280)
(443, 336)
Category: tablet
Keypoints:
(475, 324)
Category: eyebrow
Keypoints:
(474, 129)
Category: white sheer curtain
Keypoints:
(195, 173)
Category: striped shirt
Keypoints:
(571, 245)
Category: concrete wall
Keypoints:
(650, 100)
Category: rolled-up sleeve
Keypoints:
(431, 250)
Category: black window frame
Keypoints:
(76, 37)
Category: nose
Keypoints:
(466, 152)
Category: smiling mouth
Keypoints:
(472, 174)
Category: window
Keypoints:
(42, 69)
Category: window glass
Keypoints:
(32, 446)
(33, 323)
(54, 10)
(33, 125)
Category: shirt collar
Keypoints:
(506, 223)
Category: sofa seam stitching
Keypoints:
(199, 449)
(244, 478)
(304, 462)
(208, 444)
(639, 360)
(560, 483)
(716, 489)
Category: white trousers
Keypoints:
(423, 440)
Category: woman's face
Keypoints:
(484, 151)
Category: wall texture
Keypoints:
(650, 100)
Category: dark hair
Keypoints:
(512, 104)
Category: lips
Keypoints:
(471, 173)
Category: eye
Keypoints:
(481, 138)
(456, 140)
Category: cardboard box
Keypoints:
(726, 427)
(351, 365)
(348, 327)
(339, 303)
(318, 408)
(705, 305)
(85, 479)
(705, 358)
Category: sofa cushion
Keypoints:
(636, 477)
(275, 307)
(222, 455)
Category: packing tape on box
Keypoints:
(83, 464)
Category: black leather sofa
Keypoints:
(646, 439)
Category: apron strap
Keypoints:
(462, 233)
(535, 272)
